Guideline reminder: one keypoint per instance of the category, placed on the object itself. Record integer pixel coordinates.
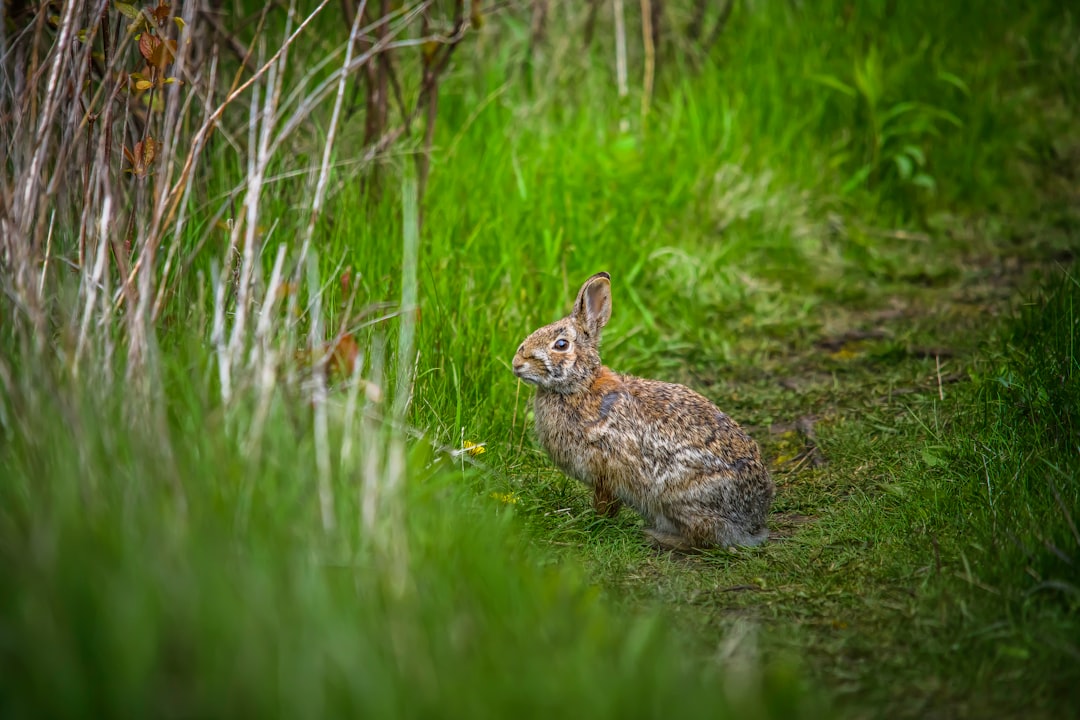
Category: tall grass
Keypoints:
(1026, 504)
(169, 571)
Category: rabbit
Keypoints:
(694, 475)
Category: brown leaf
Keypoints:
(161, 12)
(343, 356)
(150, 148)
(142, 156)
(164, 54)
(147, 45)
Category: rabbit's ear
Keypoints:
(592, 309)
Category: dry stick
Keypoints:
(650, 56)
(937, 362)
(403, 389)
(1061, 505)
(210, 124)
(45, 124)
(48, 253)
(382, 61)
(92, 284)
(524, 428)
(321, 426)
(375, 82)
(538, 27)
(204, 132)
(242, 53)
(404, 15)
(620, 58)
(429, 91)
(174, 246)
(323, 88)
(355, 383)
(198, 143)
(513, 420)
(267, 374)
(324, 171)
(106, 33)
(410, 212)
(258, 159)
(207, 127)
(28, 211)
(428, 78)
(83, 64)
(170, 127)
(423, 158)
(396, 86)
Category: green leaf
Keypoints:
(924, 181)
(857, 179)
(129, 11)
(897, 110)
(868, 77)
(931, 459)
(832, 82)
(1014, 652)
(915, 153)
(904, 166)
(953, 80)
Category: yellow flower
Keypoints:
(473, 448)
(507, 498)
(469, 447)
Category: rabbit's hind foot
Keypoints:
(669, 542)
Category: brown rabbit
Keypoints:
(661, 448)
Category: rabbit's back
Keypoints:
(662, 448)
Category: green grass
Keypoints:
(172, 575)
(892, 170)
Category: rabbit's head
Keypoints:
(564, 357)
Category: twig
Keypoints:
(324, 170)
(513, 420)
(208, 127)
(429, 97)
(321, 429)
(538, 27)
(620, 57)
(650, 56)
(940, 391)
(242, 53)
(937, 553)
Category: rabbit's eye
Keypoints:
(561, 344)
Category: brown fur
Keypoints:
(661, 448)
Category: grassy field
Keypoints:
(851, 225)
